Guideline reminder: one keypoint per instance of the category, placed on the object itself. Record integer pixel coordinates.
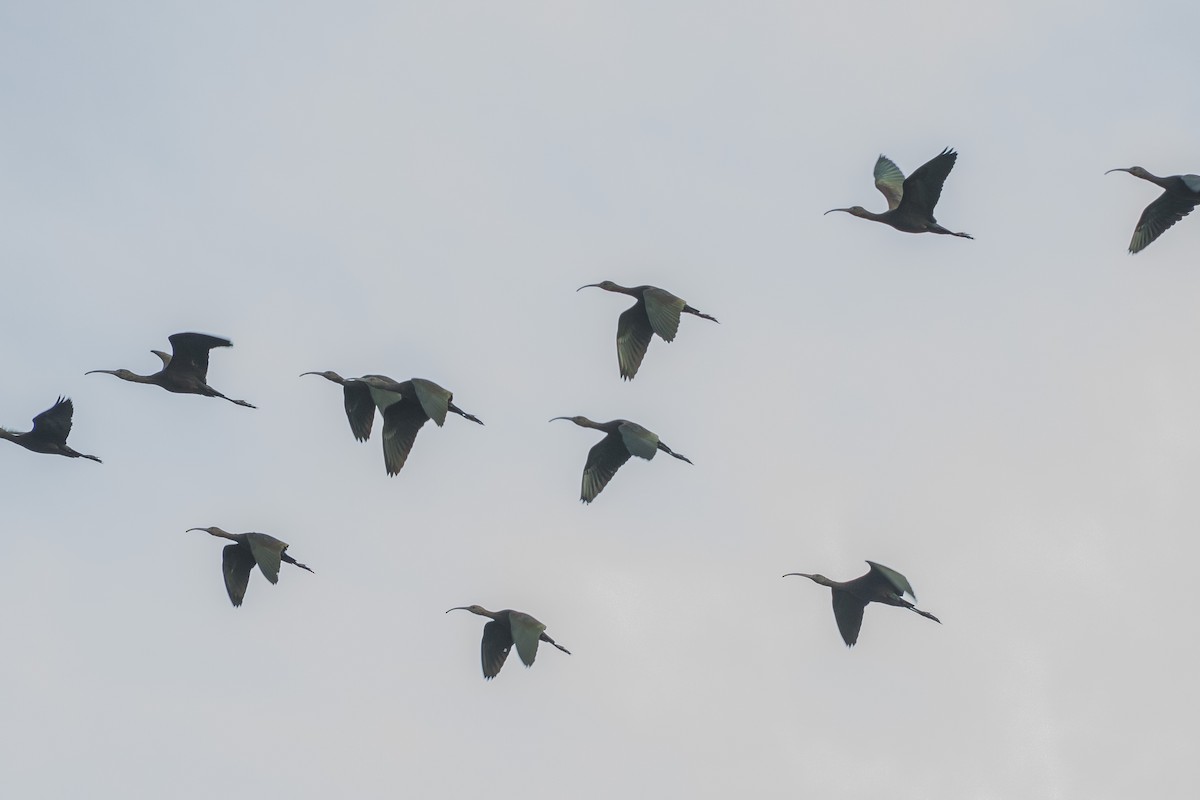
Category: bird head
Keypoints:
(214, 531)
(857, 211)
(480, 610)
(821, 579)
(607, 286)
(583, 422)
(1137, 172)
(328, 375)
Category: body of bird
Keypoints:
(248, 549)
(656, 311)
(910, 200)
(880, 585)
(622, 440)
(185, 371)
(1181, 193)
(508, 627)
(50, 430)
(405, 406)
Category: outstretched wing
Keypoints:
(53, 424)
(236, 563)
(360, 408)
(525, 633)
(848, 611)
(189, 353)
(889, 180)
(893, 579)
(1159, 216)
(267, 551)
(433, 399)
(401, 422)
(663, 310)
(923, 188)
(633, 337)
(603, 461)
(493, 650)
(639, 441)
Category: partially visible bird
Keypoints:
(50, 430)
(507, 628)
(1181, 193)
(850, 598)
(656, 311)
(249, 549)
(623, 439)
(185, 371)
(405, 405)
(910, 200)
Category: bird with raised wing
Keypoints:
(623, 439)
(656, 311)
(1181, 193)
(248, 549)
(850, 598)
(185, 371)
(910, 200)
(50, 430)
(507, 628)
(405, 406)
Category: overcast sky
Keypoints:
(417, 189)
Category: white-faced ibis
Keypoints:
(405, 406)
(185, 371)
(50, 430)
(508, 627)
(1181, 193)
(880, 585)
(910, 200)
(249, 549)
(623, 439)
(656, 311)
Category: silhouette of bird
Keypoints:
(1181, 193)
(910, 200)
(880, 585)
(507, 628)
(185, 371)
(50, 430)
(656, 311)
(623, 439)
(248, 549)
(405, 405)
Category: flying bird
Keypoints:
(248, 549)
(656, 311)
(50, 430)
(1181, 193)
(507, 628)
(623, 439)
(910, 200)
(880, 585)
(405, 405)
(185, 371)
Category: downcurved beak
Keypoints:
(458, 608)
(588, 285)
(105, 371)
(554, 418)
(798, 574)
(1118, 169)
(830, 211)
(189, 530)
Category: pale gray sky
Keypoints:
(417, 189)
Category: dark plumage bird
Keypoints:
(850, 598)
(1181, 193)
(50, 430)
(405, 405)
(910, 200)
(623, 439)
(248, 549)
(185, 371)
(507, 628)
(656, 311)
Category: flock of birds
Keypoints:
(407, 405)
